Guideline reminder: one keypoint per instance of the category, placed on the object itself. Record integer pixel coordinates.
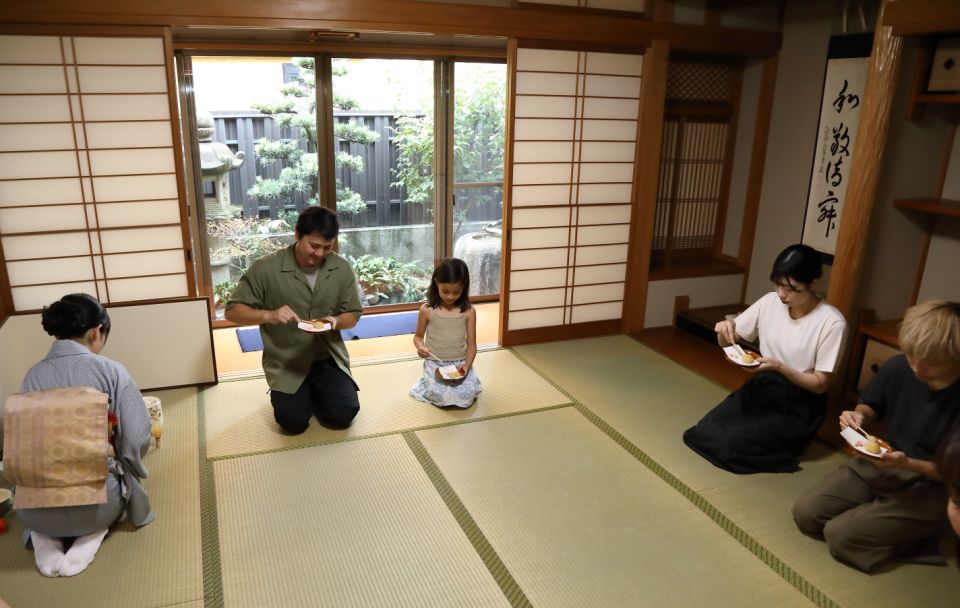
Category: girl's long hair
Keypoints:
(450, 270)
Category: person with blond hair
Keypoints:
(873, 510)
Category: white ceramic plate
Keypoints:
(854, 438)
(734, 356)
(450, 372)
(308, 326)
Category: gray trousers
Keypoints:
(869, 515)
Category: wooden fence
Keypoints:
(241, 130)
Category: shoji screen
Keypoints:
(88, 182)
(574, 142)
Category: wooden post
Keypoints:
(646, 173)
(865, 168)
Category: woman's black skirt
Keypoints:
(764, 426)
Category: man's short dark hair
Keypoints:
(319, 221)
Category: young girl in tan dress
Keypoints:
(447, 335)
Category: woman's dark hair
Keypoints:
(450, 270)
(74, 315)
(947, 462)
(798, 262)
(318, 220)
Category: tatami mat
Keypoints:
(240, 418)
(342, 525)
(651, 401)
(579, 522)
(158, 565)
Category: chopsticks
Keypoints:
(739, 350)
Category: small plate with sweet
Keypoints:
(450, 373)
(865, 443)
(315, 326)
(741, 356)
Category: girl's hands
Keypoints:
(464, 369)
(422, 351)
(331, 320)
(891, 460)
(727, 330)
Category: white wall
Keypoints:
(793, 130)
(704, 291)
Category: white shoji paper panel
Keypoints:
(112, 51)
(597, 107)
(607, 273)
(122, 80)
(615, 130)
(540, 298)
(586, 313)
(531, 218)
(137, 264)
(604, 193)
(120, 162)
(30, 49)
(40, 192)
(113, 215)
(598, 293)
(534, 83)
(544, 151)
(126, 107)
(602, 235)
(41, 245)
(603, 254)
(55, 136)
(615, 63)
(540, 237)
(535, 318)
(42, 271)
(34, 108)
(541, 195)
(538, 279)
(41, 219)
(606, 172)
(31, 79)
(135, 187)
(148, 288)
(546, 173)
(546, 60)
(608, 151)
(142, 239)
(538, 258)
(557, 107)
(543, 129)
(27, 165)
(35, 298)
(605, 214)
(127, 134)
(612, 86)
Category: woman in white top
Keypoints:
(765, 425)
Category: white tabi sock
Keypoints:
(81, 554)
(48, 553)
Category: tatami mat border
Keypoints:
(511, 589)
(209, 524)
(739, 534)
(426, 427)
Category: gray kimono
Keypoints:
(69, 363)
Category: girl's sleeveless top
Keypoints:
(446, 337)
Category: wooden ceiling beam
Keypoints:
(524, 22)
(917, 17)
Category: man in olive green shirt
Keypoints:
(307, 372)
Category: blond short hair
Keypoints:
(931, 332)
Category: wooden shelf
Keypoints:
(935, 206)
(883, 331)
(940, 98)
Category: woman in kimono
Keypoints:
(765, 425)
(81, 325)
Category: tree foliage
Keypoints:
(477, 147)
(297, 111)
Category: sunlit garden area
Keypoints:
(262, 163)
